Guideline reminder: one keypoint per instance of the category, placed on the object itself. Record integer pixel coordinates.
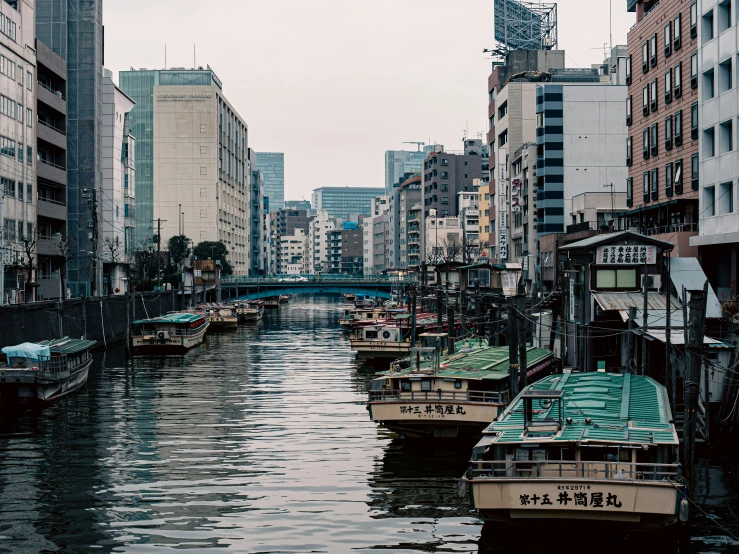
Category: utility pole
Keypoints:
(478, 310)
(128, 322)
(644, 341)
(452, 330)
(159, 260)
(694, 349)
(631, 344)
(438, 309)
(60, 316)
(513, 347)
(413, 317)
(668, 346)
(521, 329)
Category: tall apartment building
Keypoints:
(342, 201)
(194, 162)
(405, 243)
(17, 143)
(290, 259)
(285, 223)
(662, 73)
(73, 29)
(116, 197)
(51, 207)
(256, 215)
(318, 229)
(272, 166)
(376, 230)
(713, 24)
(345, 251)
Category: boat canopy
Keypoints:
(68, 345)
(174, 318)
(28, 350)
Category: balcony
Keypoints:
(46, 207)
(51, 171)
(48, 246)
(52, 135)
(51, 98)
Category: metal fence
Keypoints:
(439, 396)
(625, 471)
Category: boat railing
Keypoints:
(439, 396)
(53, 364)
(142, 332)
(563, 469)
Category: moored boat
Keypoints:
(40, 373)
(581, 446)
(173, 333)
(272, 303)
(444, 392)
(349, 297)
(284, 298)
(381, 340)
(251, 310)
(221, 318)
(358, 317)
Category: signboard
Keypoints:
(626, 254)
(432, 411)
(515, 195)
(572, 299)
(573, 497)
(503, 234)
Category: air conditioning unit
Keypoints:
(163, 335)
(654, 282)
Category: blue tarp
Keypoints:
(27, 350)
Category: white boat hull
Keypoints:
(26, 386)
(175, 344)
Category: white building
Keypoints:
(116, 196)
(318, 229)
(292, 248)
(443, 238)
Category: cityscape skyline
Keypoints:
(263, 87)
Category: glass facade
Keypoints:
(73, 29)
(272, 166)
(341, 201)
(400, 162)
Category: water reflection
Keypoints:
(257, 442)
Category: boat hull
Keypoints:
(173, 346)
(381, 349)
(434, 418)
(641, 504)
(25, 387)
(223, 325)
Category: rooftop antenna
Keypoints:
(604, 48)
(194, 58)
(165, 56)
(417, 143)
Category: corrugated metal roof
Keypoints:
(595, 240)
(624, 408)
(626, 300)
(677, 336)
(67, 345)
(688, 272)
(171, 318)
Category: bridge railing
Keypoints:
(319, 279)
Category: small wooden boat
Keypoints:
(44, 372)
(444, 392)
(349, 297)
(272, 303)
(174, 333)
(251, 310)
(581, 446)
(285, 298)
(221, 318)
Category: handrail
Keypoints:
(50, 126)
(439, 396)
(47, 87)
(43, 161)
(50, 201)
(564, 469)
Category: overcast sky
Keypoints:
(335, 83)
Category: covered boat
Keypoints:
(174, 333)
(251, 310)
(581, 446)
(44, 372)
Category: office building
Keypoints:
(73, 29)
(714, 26)
(318, 229)
(345, 251)
(116, 198)
(256, 207)
(17, 143)
(400, 162)
(272, 166)
(291, 253)
(285, 223)
(193, 139)
(341, 201)
(298, 205)
(51, 207)
(663, 137)
(406, 219)
(376, 230)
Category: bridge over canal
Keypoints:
(255, 288)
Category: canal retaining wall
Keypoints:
(101, 319)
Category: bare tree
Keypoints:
(67, 255)
(29, 261)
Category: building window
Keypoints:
(677, 80)
(676, 33)
(707, 27)
(29, 194)
(724, 16)
(668, 38)
(668, 180)
(694, 120)
(668, 133)
(653, 94)
(29, 80)
(677, 180)
(629, 192)
(645, 177)
(694, 172)
(20, 191)
(445, 200)
(709, 89)
(724, 76)
(29, 115)
(645, 101)
(709, 201)
(668, 86)
(694, 70)
(726, 137)
(628, 111)
(693, 20)
(628, 70)
(726, 198)
(645, 143)
(653, 140)
(502, 139)
(655, 184)
(503, 110)
(709, 146)
(628, 151)
(29, 155)
(653, 50)
(678, 129)
(20, 152)
(615, 279)
(645, 57)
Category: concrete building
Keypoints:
(285, 223)
(116, 198)
(445, 174)
(663, 136)
(51, 207)
(345, 251)
(74, 31)
(596, 211)
(272, 166)
(318, 229)
(376, 229)
(196, 159)
(469, 216)
(341, 201)
(298, 205)
(406, 224)
(443, 239)
(713, 24)
(256, 207)
(291, 253)
(18, 187)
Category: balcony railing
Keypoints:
(50, 126)
(51, 90)
(487, 397)
(561, 469)
(52, 164)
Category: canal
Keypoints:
(258, 442)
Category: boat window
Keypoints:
(426, 384)
(405, 385)
(457, 384)
(370, 334)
